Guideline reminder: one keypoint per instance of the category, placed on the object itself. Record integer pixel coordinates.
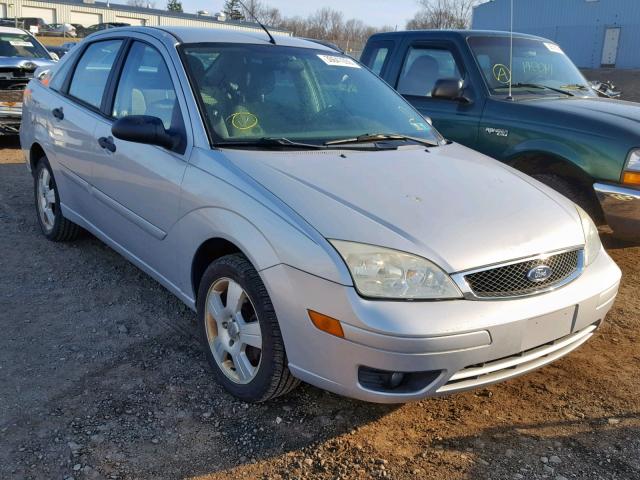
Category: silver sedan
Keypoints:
(320, 227)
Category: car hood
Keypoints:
(449, 204)
(24, 63)
(593, 111)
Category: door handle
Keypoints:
(107, 143)
(57, 112)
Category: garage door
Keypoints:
(85, 19)
(130, 21)
(47, 14)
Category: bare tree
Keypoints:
(440, 14)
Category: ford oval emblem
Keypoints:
(539, 273)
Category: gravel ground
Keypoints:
(101, 376)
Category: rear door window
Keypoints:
(92, 72)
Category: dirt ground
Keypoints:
(101, 376)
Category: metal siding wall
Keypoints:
(577, 25)
(63, 12)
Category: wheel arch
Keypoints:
(543, 162)
(535, 161)
(36, 152)
(209, 251)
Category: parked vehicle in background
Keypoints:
(103, 26)
(319, 226)
(59, 50)
(553, 127)
(60, 30)
(20, 55)
(81, 30)
(28, 22)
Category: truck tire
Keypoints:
(573, 192)
(53, 224)
(240, 331)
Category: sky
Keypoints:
(373, 12)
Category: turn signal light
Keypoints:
(326, 323)
(631, 178)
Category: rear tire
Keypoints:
(574, 193)
(240, 331)
(53, 224)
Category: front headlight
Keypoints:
(384, 273)
(592, 243)
(631, 174)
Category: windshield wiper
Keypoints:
(375, 137)
(545, 87)
(269, 142)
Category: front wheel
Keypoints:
(240, 331)
(573, 192)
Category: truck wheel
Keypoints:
(53, 224)
(240, 331)
(573, 193)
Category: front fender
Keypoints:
(551, 148)
(266, 243)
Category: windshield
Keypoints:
(535, 63)
(252, 92)
(21, 45)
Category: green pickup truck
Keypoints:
(531, 109)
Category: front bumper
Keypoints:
(10, 118)
(621, 207)
(462, 344)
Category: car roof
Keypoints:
(12, 30)
(218, 35)
(450, 34)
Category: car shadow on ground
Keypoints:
(554, 449)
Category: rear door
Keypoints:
(426, 62)
(138, 186)
(72, 114)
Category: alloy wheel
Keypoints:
(46, 200)
(233, 331)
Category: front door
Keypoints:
(138, 186)
(424, 65)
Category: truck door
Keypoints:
(426, 62)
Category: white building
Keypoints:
(88, 12)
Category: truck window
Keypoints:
(423, 67)
(379, 55)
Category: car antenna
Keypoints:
(271, 39)
(511, 53)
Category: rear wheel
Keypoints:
(240, 331)
(53, 224)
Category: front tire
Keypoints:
(240, 331)
(573, 192)
(53, 224)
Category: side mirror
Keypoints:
(144, 129)
(448, 88)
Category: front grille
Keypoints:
(11, 96)
(512, 280)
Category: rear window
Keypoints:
(92, 72)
